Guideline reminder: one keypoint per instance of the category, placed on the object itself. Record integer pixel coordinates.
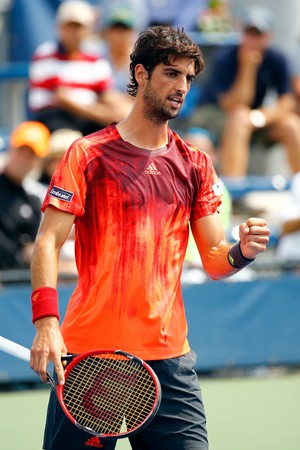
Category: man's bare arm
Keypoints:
(213, 246)
(48, 343)
(112, 106)
(243, 89)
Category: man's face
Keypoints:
(165, 91)
(71, 35)
(120, 37)
(21, 161)
(253, 39)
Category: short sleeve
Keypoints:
(210, 190)
(67, 189)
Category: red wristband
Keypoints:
(44, 303)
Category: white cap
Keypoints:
(61, 140)
(259, 17)
(76, 11)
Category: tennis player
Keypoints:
(132, 190)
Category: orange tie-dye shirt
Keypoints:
(132, 208)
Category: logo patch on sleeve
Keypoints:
(218, 188)
(61, 194)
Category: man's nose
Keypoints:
(182, 85)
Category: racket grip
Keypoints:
(14, 349)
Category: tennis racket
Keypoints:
(111, 394)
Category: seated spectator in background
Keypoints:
(233, 105)
(69, 87)
(138, 8)
(60, 141)
(118, 31)
(20, 212)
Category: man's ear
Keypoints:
(141, 74)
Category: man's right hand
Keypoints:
(249, 57)
(48, 346)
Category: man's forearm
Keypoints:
(216, 263)
(44, 265)
(243, 89)
(101, 112)
(242, 92)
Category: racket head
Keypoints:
(111, 394)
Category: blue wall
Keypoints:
(32, 22)
(245, 324)
(231, 324)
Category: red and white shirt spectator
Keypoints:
(86, 76)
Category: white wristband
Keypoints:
(257, 118)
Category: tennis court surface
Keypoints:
(260, 412)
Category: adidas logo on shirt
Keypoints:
(152, 170)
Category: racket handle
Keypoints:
(14, 349)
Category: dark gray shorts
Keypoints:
(180, 423)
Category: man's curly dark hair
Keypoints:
(162, 44)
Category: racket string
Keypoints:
(102, 393)
(141, 402)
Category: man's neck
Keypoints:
(142, 132)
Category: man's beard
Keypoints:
(154, 109)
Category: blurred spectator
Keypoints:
(119, 29)
(234, 106)
(69, 87)
(138, 8)
(20, 208)
(288, 248)
(60, 141)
